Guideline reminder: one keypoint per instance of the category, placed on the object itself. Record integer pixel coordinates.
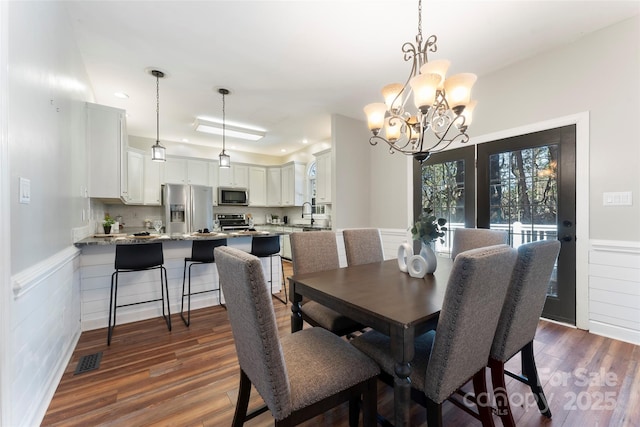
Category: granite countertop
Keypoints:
(128, 237)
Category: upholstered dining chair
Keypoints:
(458, 350)
(472, 238)
(299, 375)
(313, 251)
(363, 245)
(518, 322)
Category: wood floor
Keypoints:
(189, 377)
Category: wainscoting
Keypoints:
(45, 328)
(614, 290)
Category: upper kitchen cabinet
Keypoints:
(213, 180)
(133, 192)
(323, 177)
(292, 184)
(153, 173)
(257, 186)
(274, 186)
(179, 170)
(107, 140)
(235, 176)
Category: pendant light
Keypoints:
(158, 152)
(225, 160)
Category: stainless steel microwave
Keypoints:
(229, 196)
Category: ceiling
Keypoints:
(291, 64)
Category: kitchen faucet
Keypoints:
(311, 208)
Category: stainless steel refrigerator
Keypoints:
(187, 208)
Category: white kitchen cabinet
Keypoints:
(323, 177)
(257, 186)
(153, 172)
(213, 180)
(274, 186)
(186, 171)
(107, 140)
(235, 176)
(293, 184)
(133, 193)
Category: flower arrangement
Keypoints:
(428, 228)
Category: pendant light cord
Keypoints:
(157, 108)
(223, 122)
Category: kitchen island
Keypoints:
(97, 265)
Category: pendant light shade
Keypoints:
(158, 152)
(225, 160)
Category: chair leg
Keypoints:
(482, 400)
(184, 277)
(112, 297)
(271, 281)
(434, 413)
(243, 400)
(531, 372)
(500, 393)
(370, 404)
(354, 412)
(284, 284)
(166, 288)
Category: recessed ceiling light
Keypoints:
(121, 95)
(304, 141)
(233, 147)
(283, 151)
(185, 140)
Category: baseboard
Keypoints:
(615, 332)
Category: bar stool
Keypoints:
(137, 257)
(201, 253)
(269, 246)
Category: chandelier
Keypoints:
(158, 152)
(442, 106)
(225, 160)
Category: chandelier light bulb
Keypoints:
(468, 112)
(424, 88)
(392, 98)
(458, 89)
(375, 116)
(437, 66)
(393, 128)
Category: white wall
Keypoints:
(600, 74)
(47, 88)
(351, 170)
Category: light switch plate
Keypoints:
(25, 190)
(619, 198)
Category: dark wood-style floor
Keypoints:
(189, 377)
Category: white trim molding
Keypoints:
(30, 278)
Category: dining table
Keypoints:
(380, 296)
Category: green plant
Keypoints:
(108, 221)
(429, 228)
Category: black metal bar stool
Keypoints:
(137, 257)
(201, 253)
(268, 246)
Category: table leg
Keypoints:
(296, 312)
(403, 351)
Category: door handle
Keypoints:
(567, 238)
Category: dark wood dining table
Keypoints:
(382, 297)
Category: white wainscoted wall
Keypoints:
(614, 289)
(45, 328)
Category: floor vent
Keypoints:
(88, 363)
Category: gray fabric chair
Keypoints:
(313, 251)
(363, 245)
(458, 350)
(472, 238)
(518, 323)
(299, 376)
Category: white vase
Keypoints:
(429, 256)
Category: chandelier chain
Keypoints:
(420, 19)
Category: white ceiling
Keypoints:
(291, 64)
